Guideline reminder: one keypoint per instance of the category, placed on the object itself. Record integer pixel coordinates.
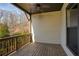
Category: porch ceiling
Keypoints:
(34, 8)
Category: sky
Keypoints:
(10, 7)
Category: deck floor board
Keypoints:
(40, 49)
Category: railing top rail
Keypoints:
(12, 36)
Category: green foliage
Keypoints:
(4, 30)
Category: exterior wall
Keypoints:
(46, 27)
(63, 31)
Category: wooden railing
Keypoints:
(12, 43)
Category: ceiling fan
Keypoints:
(39, 7)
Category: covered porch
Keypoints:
(47, 35)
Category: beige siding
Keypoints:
(46, 27)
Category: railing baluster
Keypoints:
(0, 48)
(7, 46)
(15, 43)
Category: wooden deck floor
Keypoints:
(40, 49)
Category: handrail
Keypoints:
(12, 43)
(12, 36)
